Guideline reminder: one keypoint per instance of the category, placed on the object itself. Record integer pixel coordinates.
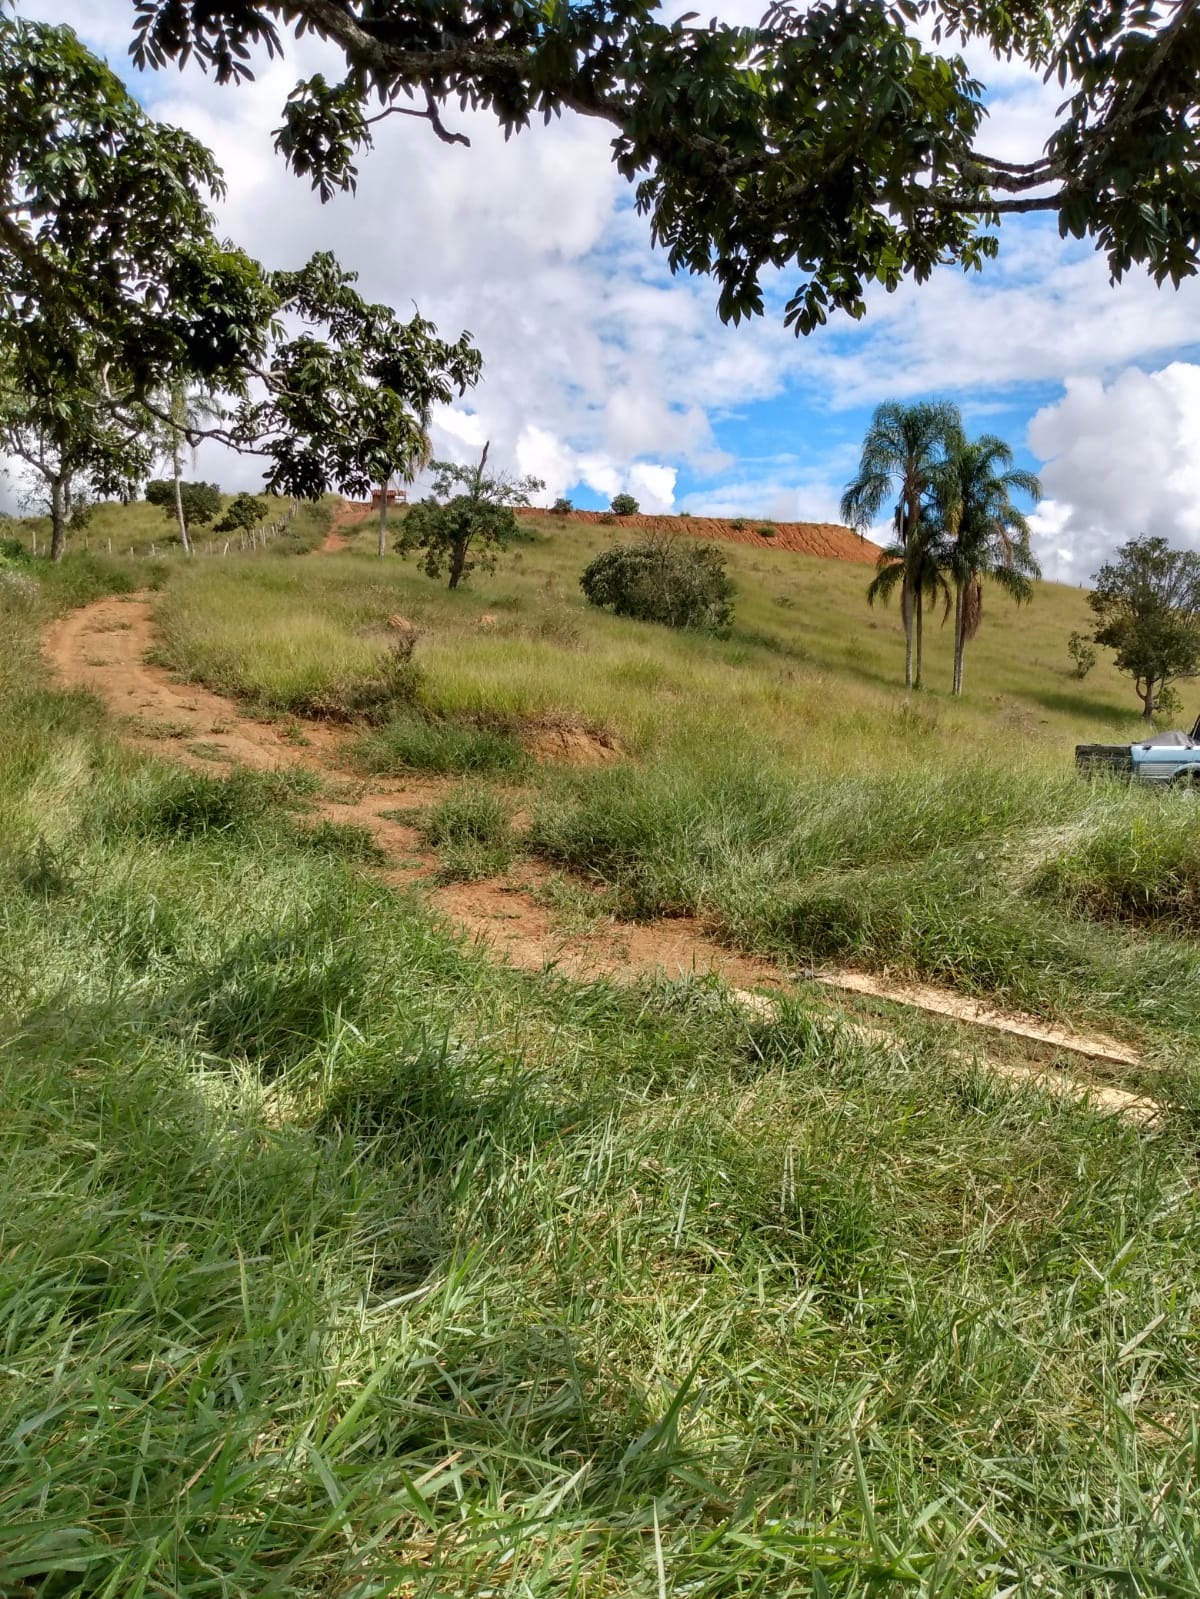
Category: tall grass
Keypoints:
(339, 1261)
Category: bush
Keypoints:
(623, 505)
(663, 580)
(1079, 648)
(766, 531)
(562, 507)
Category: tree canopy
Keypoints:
(1147, 606)
(845, 141)
(117, 296)
(459, 531)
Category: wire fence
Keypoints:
(244, 540)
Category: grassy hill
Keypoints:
(340, 1259)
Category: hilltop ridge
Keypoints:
(828, 539)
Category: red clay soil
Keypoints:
(826, 539)
(347, 514)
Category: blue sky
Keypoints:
(603, 373)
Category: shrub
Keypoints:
(662, 579)
(562, 507)
(243, 511)
(1079, 648)
(623, 505)
(738, 524)
(766, 531)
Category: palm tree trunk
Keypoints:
(906, 609)
(920, 637)
(383, 509)
(958, 636)
(179, 516)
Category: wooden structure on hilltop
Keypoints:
(394, 497)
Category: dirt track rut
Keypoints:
(103, 648)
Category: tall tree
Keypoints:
(188, 410)
(844, 138)
(114, 292)
(348, 393)
(986, 536)
(904, 447)
(1147, 606)
(72, 452)
(112, 281)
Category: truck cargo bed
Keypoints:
(1096, 759)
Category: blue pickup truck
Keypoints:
(1164, 758)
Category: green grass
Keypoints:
(338, 1260)
(777, 784)
(142, 531)
(409, 741)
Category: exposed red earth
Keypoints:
(826, 539)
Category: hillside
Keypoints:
(488, 1087)
(827, 540)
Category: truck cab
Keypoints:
(1163, 758)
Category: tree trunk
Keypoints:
(920, 638)
(58, 518)
(958, 636)
(906, 610)
(179, 516)
(1148, 701)
(383, 494)
(457, 561)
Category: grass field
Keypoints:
(142, 530)
(776, 783)
(339, 1260)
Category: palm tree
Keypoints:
(984, 535)
(187, 411)
(917, 568)
(903, 447)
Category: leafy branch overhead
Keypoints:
(833, 140)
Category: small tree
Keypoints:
(562, 507)
(464, 530)
(1147, 604)
(623, 505)
(243, 511)
(663, 579)
(1079, 648)
(196, 503)
(70, 457)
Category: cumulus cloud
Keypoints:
(1122, 459)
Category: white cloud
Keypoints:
(1122, 459)
(601, 369)
(653, 487)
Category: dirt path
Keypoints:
(103, 647)
(347, 514)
